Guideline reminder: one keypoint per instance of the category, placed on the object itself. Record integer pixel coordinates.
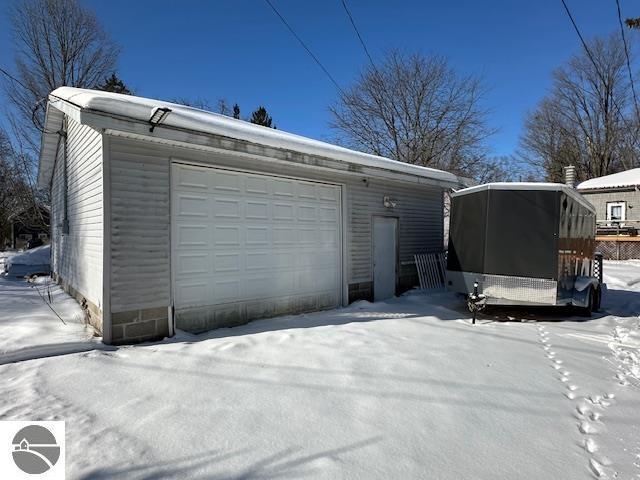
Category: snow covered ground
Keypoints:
(402, 389)
(28, 262)
(29, 326)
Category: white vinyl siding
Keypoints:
(140, 268)
(77, 255)
(141, 216)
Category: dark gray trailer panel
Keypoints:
(524, 243)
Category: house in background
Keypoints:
(165, 216)
(28, 227)
(616, 198)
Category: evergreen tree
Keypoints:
(236, 111)
(115, 85)
(633, 23)
(261, 117)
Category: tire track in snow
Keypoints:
(588, 410)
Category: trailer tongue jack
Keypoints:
(476, 302)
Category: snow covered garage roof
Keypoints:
(76, 102)
(628, 178)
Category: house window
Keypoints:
(616, 211)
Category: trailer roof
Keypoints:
(186, 118)
(558, 187)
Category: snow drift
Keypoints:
(29, 262)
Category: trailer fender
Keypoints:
(582, 286)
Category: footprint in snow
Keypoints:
(556, 366)
(583, 409)
(572, 387)
(587, 428)
(564, 379)
(595, 416)
(609, 396)
(566, 373)
(595, 399)
(558, 362)
(596, 468)
(590, 445)
(570, 395)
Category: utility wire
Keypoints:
(586, 49)
(2, 70)
(353, 23)
(333, 80)
(35, 107)
(626, 53)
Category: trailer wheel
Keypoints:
(597, 299)
(591, 298)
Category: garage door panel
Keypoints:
(284, 236)
(258, 261)
(328, 193)
(192, 206)
(228, 290)
(248, 239)
(328, 215)
(226, 208)
(191, 178)
(226, 181)
(226, 236)
(227, 263)
(192, 236)
(191, 293)
(256, 185)
(258, 235)
(283, 212)
(328, 238)
(307, 236)
(306, 191)
(257, 210)
(283, 188)
(307, 213)
(192, 264)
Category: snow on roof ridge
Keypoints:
(628, 178)
(183, 116)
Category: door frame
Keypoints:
(397, 272)
(342, 221)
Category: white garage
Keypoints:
(167, 217)
(249, 245)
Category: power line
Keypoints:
(353, 23)
(35, 107)
(305, 46)
(595, 65)
(626, 53)
(2, 70)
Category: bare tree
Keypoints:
(222, 105)
(416, 109)
(586, 120)
(16, 193)
(56, 43)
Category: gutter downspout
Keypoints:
(65, 218)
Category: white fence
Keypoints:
(432, 268)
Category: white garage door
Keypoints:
(269, 243)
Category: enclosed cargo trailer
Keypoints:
(523, 244)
